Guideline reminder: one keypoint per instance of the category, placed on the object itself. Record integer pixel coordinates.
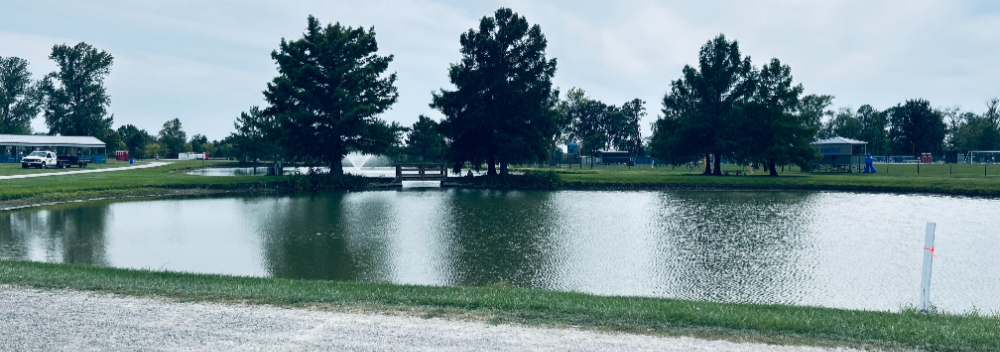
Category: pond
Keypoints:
(262, 171)
(840, 250)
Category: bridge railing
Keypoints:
(421, 171)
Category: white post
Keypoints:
(925, 282)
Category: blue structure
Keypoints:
(572, 148)
(869, 168)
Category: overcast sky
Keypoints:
(206, 61)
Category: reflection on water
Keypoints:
(262, 171)
(844, 250)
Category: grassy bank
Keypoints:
(124, 183)
(900, 178)
(768, 323)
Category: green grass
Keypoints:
(15, 169)
(124, 183)
(902, 178)
(767, 323)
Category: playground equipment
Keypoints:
(869, 168)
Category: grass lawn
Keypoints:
(7, 169)
(119, 183)
(904, 178)
(767, 323)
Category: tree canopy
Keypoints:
(424, 142)
(76, 100)
(916, 128)
(330, 90)
(502, 109)
(172, 138)
(20, 97)
(700, 105)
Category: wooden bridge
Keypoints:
(421, 172)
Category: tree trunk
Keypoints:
(491, 167)
(503, 168)
(774, 169)
(718, 166)
(337, 167)
(708, 165)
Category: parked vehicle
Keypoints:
(49, 159)
(40, 159)
(70, 161)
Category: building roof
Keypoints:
(31, 140)
(837, 140)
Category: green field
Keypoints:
(766, 323)
(7, 169)
(121, 183)
(898, 178)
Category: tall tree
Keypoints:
(330, 89)
(916, 127)
(424, 142)
(628, 134)
(20, 97)
(76, 100)
(619, 126)
(772, 132)
(198, 142)
(501, 110)
(843, 124)
(135, 139)
(875, 126)
(814, 109)
(702, 102)
(172, 138)
(256, 136)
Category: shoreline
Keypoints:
(772, 324)
(206, 190)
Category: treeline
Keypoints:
(74, 102)
(915, 127)
(503, 109)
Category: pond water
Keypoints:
(842, 250)
(262, 171)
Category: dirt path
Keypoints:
(35, 320)
(152, 164)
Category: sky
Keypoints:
(204, 61)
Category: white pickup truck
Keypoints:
(47, 159)
(40, 159)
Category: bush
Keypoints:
(321, 181)
(529, 180)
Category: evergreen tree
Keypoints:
(424, 142)
(502, 108)
(701, 104)
(76, 100)
(916, 128)
(329, 92)
(772, 132)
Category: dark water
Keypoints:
(844, 250)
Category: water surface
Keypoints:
(843, 250)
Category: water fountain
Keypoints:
(357, 161)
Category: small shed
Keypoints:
(15, 146)
(839, 154)
(614, 157)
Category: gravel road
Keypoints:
(34, 320)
